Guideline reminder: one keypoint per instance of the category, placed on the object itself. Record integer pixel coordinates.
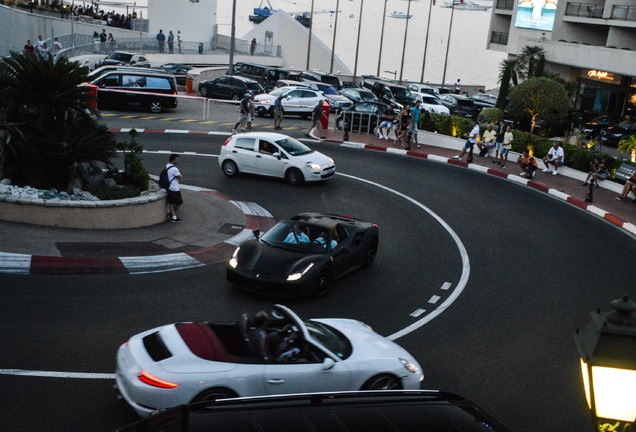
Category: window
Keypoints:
(133, 81)
(366, 108)
(222, 80)
(267, 147)
(110, 81)
(158, 83)
(245, 143)
(295, 94)
(307, 94)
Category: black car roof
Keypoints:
(242, 78)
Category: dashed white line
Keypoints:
(417, 312)
(446, 286)
(53, 374)
(434, 299)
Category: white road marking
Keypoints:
(417, 312)
(159, 263)
(463, 280)
(53, 374)
(15, 263)
(446, 286)
(434, 299)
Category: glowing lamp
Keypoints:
(607, 348)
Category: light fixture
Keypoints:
(607, 348)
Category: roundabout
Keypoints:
(504, 343)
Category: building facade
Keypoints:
(591, 42)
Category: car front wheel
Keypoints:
(371, 253)
(324, 282)
(229, 168)
(294, 177)
(236, 97)
(382, 382)
(341, 124)
(204, 91)
(156, 106)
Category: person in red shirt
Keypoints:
(28, 48)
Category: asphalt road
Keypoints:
(537, 267)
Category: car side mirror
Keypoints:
(328, 364)
(256, 233)
(276, 155)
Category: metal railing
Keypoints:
(589, 10)
(626, 13)
(363, 123)
(500, 38)
(505, 4)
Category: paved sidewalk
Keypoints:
(566, 185)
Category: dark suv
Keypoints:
(230, 87)
(377, 411)
(460, 105)
(389, 92)
(612, 135)
(322, 77)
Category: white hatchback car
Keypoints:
(296, 101)
(189, 362)
(275, 155)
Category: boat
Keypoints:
(304, 18)
(262, 13)
(397, 14)
(465, 5)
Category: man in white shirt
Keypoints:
(556, 157)
(470, 143)
(174, 192)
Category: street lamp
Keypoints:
(607, 348)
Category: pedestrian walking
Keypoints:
(470, 142)
(57, 47)
(103, 38)
(170, 43)
(111, 43)
(179, 40)
(253, 46)
(174, 192)
(403, 126)
(507, 146)
(458, 86)
(501, 132)
(316, 116)
(244, 112)
(278, 112)
(161, 40)
(556, 157)
(251, 109)
(415, 121)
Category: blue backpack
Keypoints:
(163, 182)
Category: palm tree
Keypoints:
(509, 71)
(42, 98)
(534, 57)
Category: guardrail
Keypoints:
(589, 10)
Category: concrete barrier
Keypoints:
(137, 212)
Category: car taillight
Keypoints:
(154, 381)
(227, 141)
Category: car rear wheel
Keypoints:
(341, 124)
(156, 106)
(324, 282)
(382, 382)
(371, 253)
(214, 393)
(236, 97)
(229, 168)
(204, 91)
(294, 177)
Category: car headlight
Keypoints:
(313, 166)
(300, 273)
(409, 366)
(233, 261)
(332, 161)
(617, 135)
(264, 101)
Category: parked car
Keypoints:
(304, 255)
(274, 155)
(124, 58)
(189, 362)
(335, 99)
(267, 76)
(180, 71)
(460, 105)
(350, 84)
(358, 95)
(443, 90)
(484, 100)
(296, 101)
(292, 83)
(593, 127)
(154, 91)
(421, 88)
(381, 411)
(322, 77)
(363, 117)
(92, 76)
(431, 103)
(612, 135)
(230, 87)
(389, 92)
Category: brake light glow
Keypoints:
(154, 381)
(227, 141)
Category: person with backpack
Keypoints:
(171, 175)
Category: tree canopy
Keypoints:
(540, 99)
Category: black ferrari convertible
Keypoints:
(304, 255)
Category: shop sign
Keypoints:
(598, 75)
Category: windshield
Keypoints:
(327, 89)
(297, 236)
(627, 124)
(368, 96)
(330, 338)
(400, 92)
(279, 91)
(430, 100)
(293, 147)
(334, 81)
(120, 56)
(254, 86)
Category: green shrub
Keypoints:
(490, 115)
(104, 192)
(134, 173)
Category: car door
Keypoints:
(106, 98)
(350, 252)
(293, 101)
(244, 154)
(134, 86)
(266, 162)
(311, 375)
(221, 87)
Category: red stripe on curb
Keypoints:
(614, 219)
(69, 266)
(258, 222)
(539, 186)
(577, 203)
(497, 173)
(419, 155)
(214, 254)
(372, 147)
(457, 162)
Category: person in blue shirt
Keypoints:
(322, 238)
(415, 120)
(278, 112)
(296, 235)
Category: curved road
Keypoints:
(537, 266)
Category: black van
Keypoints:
(377, 411)
(322, 77)
(152, 91)
(389, 92)
(268, 76)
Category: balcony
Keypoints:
(586, 10)
(625, 13)
(505, 4)
(499, 38)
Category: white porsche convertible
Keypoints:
(189, 362)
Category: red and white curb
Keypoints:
(256, 217)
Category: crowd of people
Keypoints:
(43, 47)
(111, 18)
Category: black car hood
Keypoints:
(110, 62)
(270, 261)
